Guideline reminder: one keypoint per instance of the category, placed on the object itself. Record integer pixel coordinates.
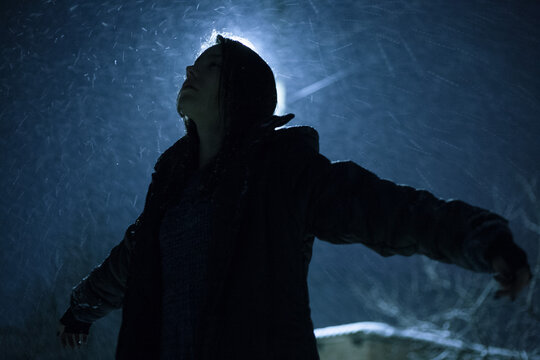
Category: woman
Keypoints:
(216, 265)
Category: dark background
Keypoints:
(438, 95)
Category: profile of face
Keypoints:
(198, 97)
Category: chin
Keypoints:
(181, 108)
(178, 108)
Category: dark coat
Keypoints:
(270, 206)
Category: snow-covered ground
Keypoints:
(376, 340)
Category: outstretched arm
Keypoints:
(97, 294)
(349, 204)
(103, 289)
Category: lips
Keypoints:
(188, 85)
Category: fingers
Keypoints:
(512, 284)
(66, 340)
(73, 340)
(69, 340)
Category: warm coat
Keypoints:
(270, 206)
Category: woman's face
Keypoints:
(198, 97)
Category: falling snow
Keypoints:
(438, 95)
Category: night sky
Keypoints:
(438, 95)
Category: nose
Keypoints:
(190, 71)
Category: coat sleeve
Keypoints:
(102, 290)
(349, 204)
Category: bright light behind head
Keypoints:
(211, 40)
(281, 98)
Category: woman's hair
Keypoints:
(247, 99)
(248, 87)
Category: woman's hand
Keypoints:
(511, 282)
(73, 340)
